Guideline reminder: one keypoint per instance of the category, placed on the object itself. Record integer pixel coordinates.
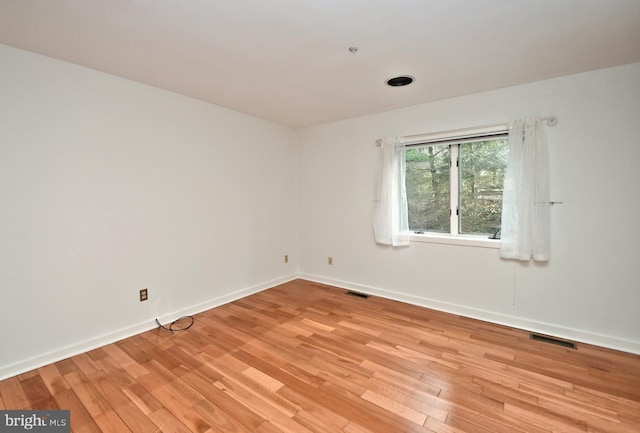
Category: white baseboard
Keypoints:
(502, 319)
(488, 316)
(99, 341)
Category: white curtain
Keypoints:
(525, 205)
(390, 215)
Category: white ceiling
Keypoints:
(288, 61)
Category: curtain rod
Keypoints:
(550, 120)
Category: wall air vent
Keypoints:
(551, 340)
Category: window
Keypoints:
(454, 183)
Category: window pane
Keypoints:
(482, 169)
(427, 180)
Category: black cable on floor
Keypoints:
(172, 327)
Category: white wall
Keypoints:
(590, 289)
(108, 186)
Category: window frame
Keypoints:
(454, 138)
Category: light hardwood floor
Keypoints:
(304, 357)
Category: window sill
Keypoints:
(466, 240)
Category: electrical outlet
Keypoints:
(286, 258)
(331, 260)
(144, 295)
